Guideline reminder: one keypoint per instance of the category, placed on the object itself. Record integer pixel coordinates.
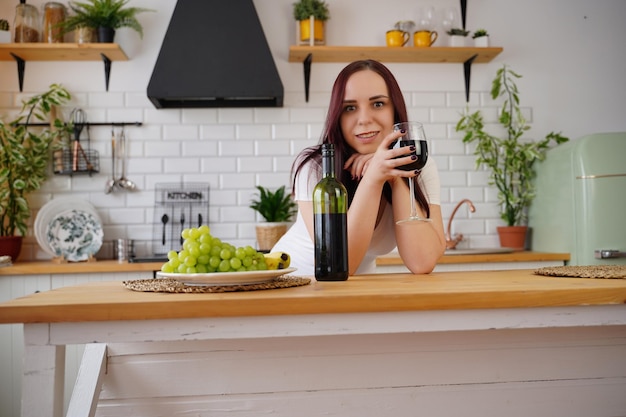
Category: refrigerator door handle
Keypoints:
(609, 254)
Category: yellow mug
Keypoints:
(397, 37)
(424, 38)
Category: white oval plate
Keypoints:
(75, 234)
(226, 278)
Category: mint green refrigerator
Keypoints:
(580, 202)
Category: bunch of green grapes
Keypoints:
(202, 253)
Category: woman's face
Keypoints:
(367, 115)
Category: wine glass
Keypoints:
(414, 136)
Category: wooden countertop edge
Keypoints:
(106, 301)
(525, 256)
(49, 267)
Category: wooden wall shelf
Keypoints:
(386, 54)
(442, 55)
(22, 52)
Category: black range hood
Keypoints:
(215, 54)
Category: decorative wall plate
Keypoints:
(50, 210)
(76, 235)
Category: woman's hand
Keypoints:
(385, 161)
(357, 164)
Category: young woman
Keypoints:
(365, 103)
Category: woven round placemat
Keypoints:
(171, 285)
(591, 271)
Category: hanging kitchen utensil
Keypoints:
(78, 122)
(110, 185)
(124, 182)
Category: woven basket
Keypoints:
(267, 234)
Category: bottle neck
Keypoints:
(328, 163)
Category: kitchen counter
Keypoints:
(49, 267)
(444, 343)
(392, 263)
(98, 301)
(524, 256)
(393, 259)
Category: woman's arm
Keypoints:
(420, 244)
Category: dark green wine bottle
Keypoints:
(330, 223)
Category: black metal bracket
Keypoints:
(107, 70)
(307, 75)
(21, 67)
(463, 12)
(467, 74)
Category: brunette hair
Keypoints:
(332, 129)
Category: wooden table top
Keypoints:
(101, 301)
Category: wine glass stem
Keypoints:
(412, 197)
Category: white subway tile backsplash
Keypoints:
(180, 132)
(462, 163)
(200, 116)
(106, 99)
(234, 182)
(182, 165)
(164, 149)
(235, 116)
(272, 147)
(269, 116)
(254, 131)
(219, 165)
(254, 164)
(218, 132)
(290, 131)
(162, 116)
(236, 148)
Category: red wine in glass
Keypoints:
(421, 151)
(414, 136)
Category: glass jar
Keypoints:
(26, 24)
(53, 15)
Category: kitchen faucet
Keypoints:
(451, 243)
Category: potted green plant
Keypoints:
(509, 158)
(5, 35)
(311, 16)
(105, 16)
(481, 38)
(277, 208)
(24, 156)
(457, 36)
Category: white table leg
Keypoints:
(44, 374)
(89, 381)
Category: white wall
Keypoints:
(570, 52)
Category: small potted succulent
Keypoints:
(24, 160)
(481, 38)
(311, 16)
(457, 36)
(105, 16)
(5, 35)
(277, 208)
